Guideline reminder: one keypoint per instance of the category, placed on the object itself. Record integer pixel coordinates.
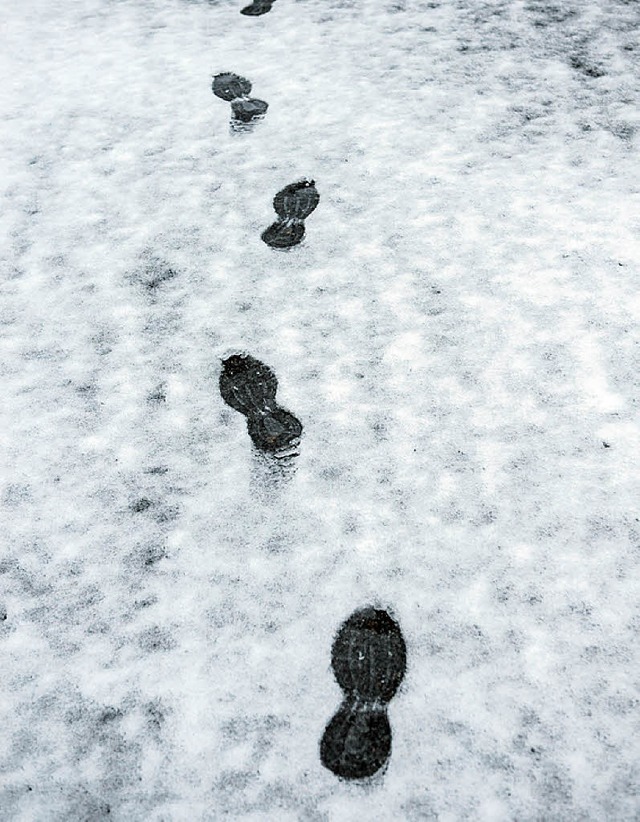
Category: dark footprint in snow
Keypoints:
(249, 386)
(292, 205)
(369, 662)
(236, 90)
(257, 8)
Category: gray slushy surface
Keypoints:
(458, 335)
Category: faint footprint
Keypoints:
(369, 662)
(236, 90)
(249, 386)
(292, 205)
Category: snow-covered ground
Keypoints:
(458, 333)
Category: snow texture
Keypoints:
(458, 334)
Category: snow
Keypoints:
(458, 335)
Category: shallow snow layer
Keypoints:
(458, 334)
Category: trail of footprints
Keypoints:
(368, 655)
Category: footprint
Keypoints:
(369, 662)
(292, 205)
(236, 90)
(257, 8)
(249, 386)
